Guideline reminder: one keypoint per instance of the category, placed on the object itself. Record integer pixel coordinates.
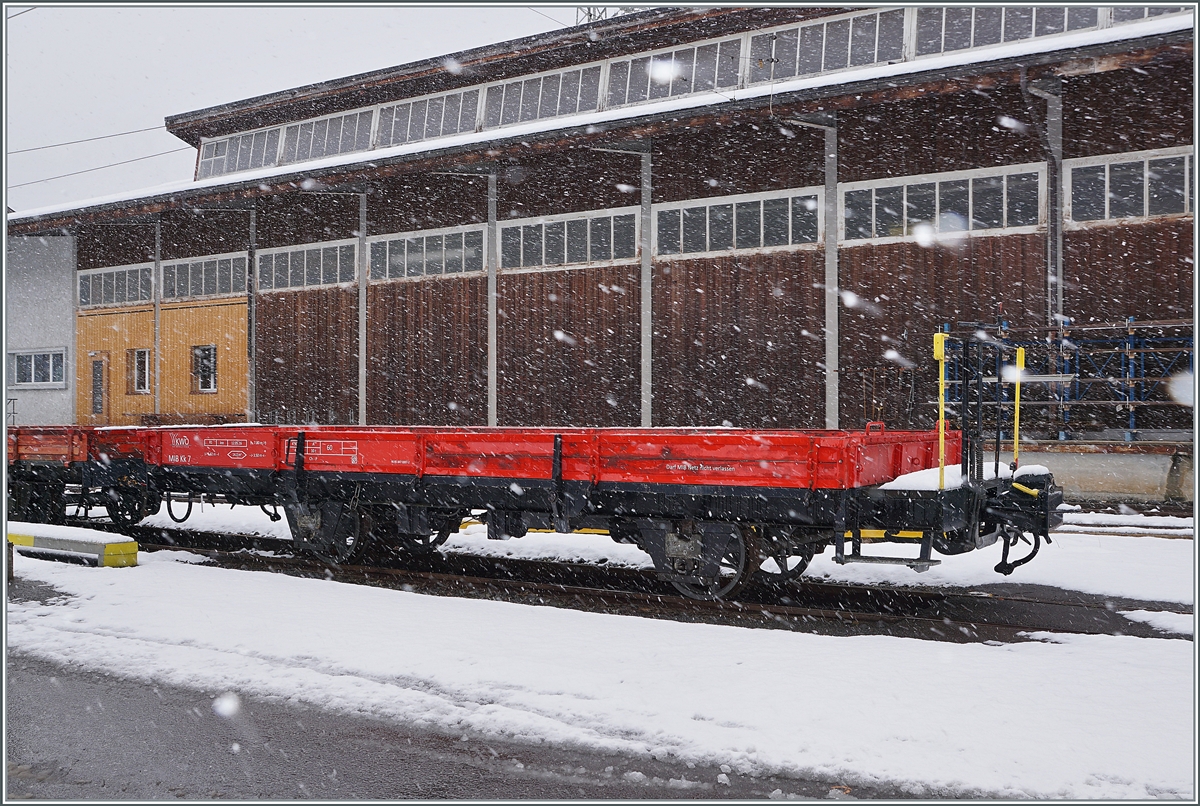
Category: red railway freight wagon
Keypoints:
(712, 507)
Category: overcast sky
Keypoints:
(84, 72)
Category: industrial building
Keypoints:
(689, 216)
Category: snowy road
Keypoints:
(1081, 717)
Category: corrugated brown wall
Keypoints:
(1129, 110)
(307, 356)
(905, 292)
(740, 339)
(427, 352)
(1113, 271)
(589, 374)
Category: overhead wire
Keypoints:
(85, 140)
(99, 168)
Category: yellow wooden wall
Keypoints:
(112, 332)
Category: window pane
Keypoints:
(987, 202)
(531, 245)
(812, 42)
(837, 44)
(804, 219)
(684, 64)
(24, 369)
(577, 241)
(618, 83)
(1022, 200)
(1018, 23)
(210, 276)
(530, 97)
(400, 128)
(891, 36)
(720, 227)
(624, 237)
(958, 29)
(639, 79)
(119, 277)
(858, 214)
(668, 232)
(1078, 18)
(706, 67)
(379, 260)
(695, 229)
(470, 110)
(760, 57)
(953, 212)
(512, 103)
(289, 269)
(56, 367)
(266, 273)
(224, 269)
(145, 281)
(434, 258)
(473, 251)
(454, 253)
(85, 290)
(333, 144)
(1048, 21)
(988, 23)
(556, 243)
(1126, 197)
(196, 279)
(889, 211)
(1166, 180)
(397, 266)
(414, 256)
(775, 222)
(174, 281)
(1087, 193)
(568, 96)
(748, 225)
(495, 98)
(329, 265)
(600, 230)
(362, 135)
(589, 89)
(319, 131)
(862, 39)
(312, 266)
(729, 59)
(510, 247)
(41, 368)
(549, 105)
(1128, 14)
(785, 52)
(433, 117)
(416, 123)
(347, 264)
(929, 31)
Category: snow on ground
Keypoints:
(1146, 568)
(1054, 718)
(1178, 623)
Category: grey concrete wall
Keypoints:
(1115, 476)
(39, 314)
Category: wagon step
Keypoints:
(915, 564)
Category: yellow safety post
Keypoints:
(1017, 408)
(939, 353)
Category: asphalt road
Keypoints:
(76, 734)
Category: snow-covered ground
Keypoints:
(1082, 717)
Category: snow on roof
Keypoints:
(1079, 39)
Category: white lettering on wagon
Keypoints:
(225, 443)
(333, 450)
(180, 441)
(699, 466)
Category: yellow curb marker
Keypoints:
(116, 554)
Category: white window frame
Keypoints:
(378, 109)
(426, 233)
(948, 176)
(91, 304)
(585, 215)
(709, 201)
(1069, 166)
(260, 253)
(50, 352)
(200, 387)
(141, 356)
(164, 264)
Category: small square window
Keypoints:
(204, 369)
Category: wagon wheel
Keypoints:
(124, 506)
(737, 565)
(330, 531)
(427, 544)
(782, 563)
